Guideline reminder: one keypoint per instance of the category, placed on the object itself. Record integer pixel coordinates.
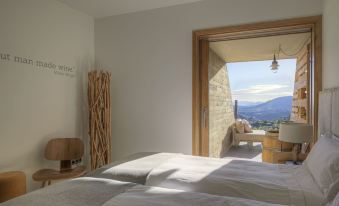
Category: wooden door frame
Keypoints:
(262, 29)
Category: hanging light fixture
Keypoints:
(274, 65)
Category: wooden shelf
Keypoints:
(300, 120)
(302, 93)
(301, 83)
(301, 103)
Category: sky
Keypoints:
(255, 82)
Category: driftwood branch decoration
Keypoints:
(100, 132)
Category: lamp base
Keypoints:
(295, 151)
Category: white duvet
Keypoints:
(280, 184)
(84, 191)
(88, 191)
(154, 196)
(133, 168)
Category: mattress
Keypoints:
(280, 184)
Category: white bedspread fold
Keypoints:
(133, 168)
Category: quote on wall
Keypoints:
(58, 69)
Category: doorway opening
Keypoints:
(255, 44)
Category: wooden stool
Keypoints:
(12, 184)
(63, 150)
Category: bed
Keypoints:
(177, 179)
(263, 182)
(218, 181)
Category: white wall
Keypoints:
(150, 56)
(37, 104)
(331, 44)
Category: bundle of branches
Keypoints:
(100, 131)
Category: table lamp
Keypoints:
(296, 133)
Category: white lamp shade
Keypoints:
(295, 132)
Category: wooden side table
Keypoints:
(64, 150)
(278, 152)
(12, 184)
(48, 175)
(274, 150)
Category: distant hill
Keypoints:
(248, 104)
(278, 108)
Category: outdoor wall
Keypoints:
(299, 111)
(331, 44)
(44, 47)
(150, 56)
(221, 114)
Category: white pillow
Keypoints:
(247, 126)
(239, 126)
(323, 164)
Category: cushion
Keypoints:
(247, 126)
(239, 126)
(323, 164)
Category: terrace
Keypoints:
(246, 85)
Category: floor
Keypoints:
(244, 151)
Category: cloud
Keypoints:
(262, 92)
(260, 89)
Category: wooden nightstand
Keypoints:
(277, 152)
(64, 150)
(49, 175)
(274, 150)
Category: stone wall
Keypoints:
(221, 115)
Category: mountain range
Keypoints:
(248, 103)
(278, 108)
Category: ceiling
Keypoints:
(104, 8)
(261, 48)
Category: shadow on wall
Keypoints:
(84, 65)
(226, 142)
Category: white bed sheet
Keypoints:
(280, 184)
